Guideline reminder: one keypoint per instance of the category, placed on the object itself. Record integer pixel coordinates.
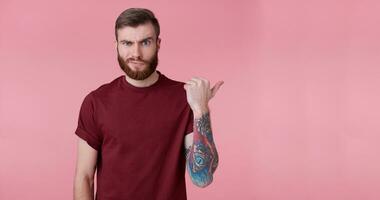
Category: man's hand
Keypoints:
(202, 157)
(199, 93)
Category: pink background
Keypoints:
(297, 118)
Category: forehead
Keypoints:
(136, 33)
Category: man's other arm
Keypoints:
(85, 170)
(201, 155)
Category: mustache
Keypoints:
(136, 60)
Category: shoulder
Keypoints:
(175, 85)
(172, 81)
(106, 88)
(176, 91)
(102, 91)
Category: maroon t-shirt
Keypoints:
(139, 135)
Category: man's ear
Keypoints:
(158, 43)
(115, 42)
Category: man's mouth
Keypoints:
(136, 65)
(136, 62)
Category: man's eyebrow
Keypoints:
(147, 38)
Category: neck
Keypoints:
(143, 83)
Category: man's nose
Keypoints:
(136, 51)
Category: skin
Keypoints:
(137, 47)
(201, 154)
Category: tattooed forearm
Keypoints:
(202, 157)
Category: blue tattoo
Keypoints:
(202, 157)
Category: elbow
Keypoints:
(202, 183)
(201, 175)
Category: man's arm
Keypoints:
(201, 154)
(85, 170)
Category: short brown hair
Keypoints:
(134, 17)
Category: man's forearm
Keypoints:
(202, 158)
(84, 189)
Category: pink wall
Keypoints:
(297, 117)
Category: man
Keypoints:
(141, 130)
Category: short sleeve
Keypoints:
(190, 122)
(87, 128)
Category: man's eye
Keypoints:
(147, 42)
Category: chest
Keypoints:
(141, 123)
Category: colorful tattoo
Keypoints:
(202, 157)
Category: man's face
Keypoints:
(137, 50)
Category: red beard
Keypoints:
(139, 75)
